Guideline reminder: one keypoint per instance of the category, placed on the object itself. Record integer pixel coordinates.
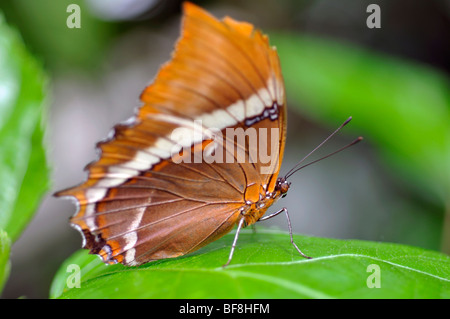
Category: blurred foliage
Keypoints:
(402, 108)
(5, 246)
(24, 175)
(43, 26)
(266, 265)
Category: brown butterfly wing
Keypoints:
(139, 203)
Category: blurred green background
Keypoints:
(393, 187)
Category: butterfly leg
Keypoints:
(284, 210)
(233, 246)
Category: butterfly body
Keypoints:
(253, 211)
(202, 154)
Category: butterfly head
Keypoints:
(282, 186)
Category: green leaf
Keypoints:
(5, 246)
(24, 175)
(58, 45)
(401, 107)
(265, 265)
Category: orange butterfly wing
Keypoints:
(139, 202)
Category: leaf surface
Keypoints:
(265, 265)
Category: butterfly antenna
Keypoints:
(326, 156)
(317, 147)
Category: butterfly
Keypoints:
(201, 155)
